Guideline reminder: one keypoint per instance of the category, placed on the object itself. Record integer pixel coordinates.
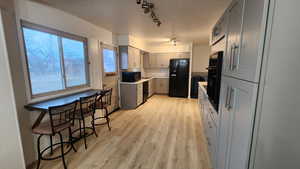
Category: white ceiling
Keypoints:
(188, 20)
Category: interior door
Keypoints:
(236, 126)
(111, 75)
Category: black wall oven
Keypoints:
(214, 78)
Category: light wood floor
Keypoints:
(164, 133)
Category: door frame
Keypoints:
(102, 46)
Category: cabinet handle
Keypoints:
(234, 57)
(230, 57)
(209, 125)
(227, 97)
(231, 97)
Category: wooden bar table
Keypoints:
(43, 106)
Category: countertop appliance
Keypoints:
(131, 76)
(145, 91)
(179, 77)
(214, 78)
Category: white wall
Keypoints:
(60, 20)
(201, 54)
(11, 152)
(57, 19)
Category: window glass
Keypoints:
(55, 63)
(109, 61)
(43, 60)
(74, 61)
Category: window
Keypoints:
(109, 62)
(55, 62)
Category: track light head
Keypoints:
(145, 4)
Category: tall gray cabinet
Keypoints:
(259, 115)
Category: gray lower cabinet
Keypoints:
(131, 95)
(210, 124)
(238, 102)
(162, 85)
(151, 87)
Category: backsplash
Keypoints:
(156, 72)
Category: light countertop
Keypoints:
(203, 86)
(138, 82)
(143, 80)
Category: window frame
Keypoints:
(61, 35)
(116, 62)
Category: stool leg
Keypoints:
(51, 144)
(39, 152)
(84, 134)
(80, 128)
(62, 150)
(93, 124)
(107, 118)
(71, 140)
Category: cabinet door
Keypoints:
(137, 57)
(163, 60)
(131, 60)
(139, 93)
(146, 61)
(162, 85)
(235, 15)
(247, 64)
(153, 60)
(236, 124)
(134, 58)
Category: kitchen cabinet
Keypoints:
(238, 102)
(235, 16)
(219, 30)
(159, 60)
(162, 85)
(130, 58)
(139, 99)
(248, 62)
(131, 95)
(149, 61)
(151, 87)
(162, 60)
(245, 38)
(210, 122)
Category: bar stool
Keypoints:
(102, 103)
(87, 109)
(61, 118)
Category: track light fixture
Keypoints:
(173, 41)
(149, 8)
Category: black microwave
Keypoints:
(131, 76)
(214, 78)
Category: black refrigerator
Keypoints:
(179, 77)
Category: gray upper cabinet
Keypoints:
(219, 30)
(246, 31)
(235, 15)
(130, 58)
(162, 60)
(248, 63)
(235, 132)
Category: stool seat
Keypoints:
(46, 129)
